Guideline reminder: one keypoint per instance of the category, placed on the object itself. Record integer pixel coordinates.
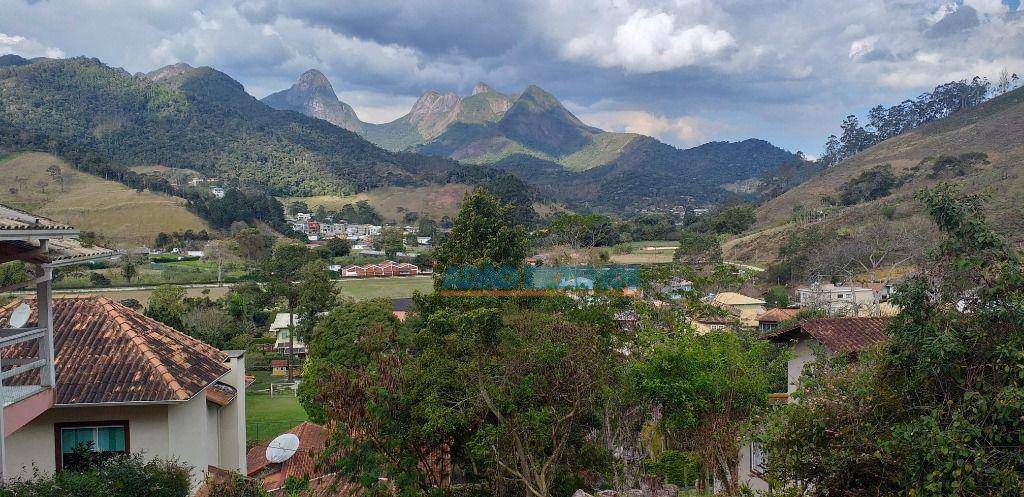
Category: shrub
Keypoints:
(872, 184)
(122, 476)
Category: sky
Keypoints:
(684, 71)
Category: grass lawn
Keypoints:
(389, 288)
(654, 252)
(267, 417)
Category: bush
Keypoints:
(872, 184)
(678, 467)
(99, 279)
(122, 476)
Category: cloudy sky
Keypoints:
(685, 71)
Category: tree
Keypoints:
(391, 241)
(483, 236)
(872, 184)
(57, 175)
(129, 267)
(167, 305)
(297, 207)
(12, 273)
(252, 244)
(284, 272)
(338, 247)
(210, 325)
(698, 249)
(936, 410)
(708, 387)
(217, 251)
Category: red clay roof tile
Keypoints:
(109, 353)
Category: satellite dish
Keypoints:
(20, 316)
(282, 448)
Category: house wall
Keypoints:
(803, 353)
(34, 445)
(745, 474)
(187, 432)
(232, 420)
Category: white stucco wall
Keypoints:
(232, 420)
(803, 353)
(34, 445)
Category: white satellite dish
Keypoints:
(20, 316)
(282, 448)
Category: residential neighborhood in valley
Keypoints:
(542, 249)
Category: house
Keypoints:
(837, 335)
(44, 246)
(747, 307)
(423, 241)
(283, 321)
(217, 192)
(303, 216)
(708, 322)
(401, 307)
(301, 464)
(126, 383)
(770, 320)
(383, 269)
(836, 300)
(279, 367)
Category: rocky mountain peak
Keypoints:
(482, 87)
(314, 79)
(433, 104)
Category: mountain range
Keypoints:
(201, 119)
(531, 134)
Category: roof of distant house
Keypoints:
(109, 353)
(777, 315)
(838, 335)
(733, 298)
(281, 321)
(312, 440)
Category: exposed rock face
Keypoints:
(433, 112)
(313, 95)
(481, 87)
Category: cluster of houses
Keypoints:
(360, 234)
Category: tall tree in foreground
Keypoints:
(484, 236)
(937, 411)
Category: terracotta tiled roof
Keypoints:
(838, 335)
(312, 440)
(778, 315)
(12, 219)
(109, 353)
(221, 394)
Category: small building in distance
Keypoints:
(769, 320)
(747, 307)
(281, 331)
(836, 300)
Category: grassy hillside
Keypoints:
(996, 128)
(392, 203)
(89, 203)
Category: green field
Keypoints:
(654, 252)
(267, 417)
(388, 288)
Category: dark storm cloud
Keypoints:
(681, 70)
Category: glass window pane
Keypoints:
(73, 437)
(111, 439)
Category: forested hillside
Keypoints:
(196, 118)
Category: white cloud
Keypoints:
(376, 107)
(860, 48)
(685, 131)
(650, 41)
(988, 7)
(27, 47)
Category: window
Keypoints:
(79, 444)
(757, 458)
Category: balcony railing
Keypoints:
(25, 367)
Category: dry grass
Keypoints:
(393, 203)
(122, 215)
(996, 128)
